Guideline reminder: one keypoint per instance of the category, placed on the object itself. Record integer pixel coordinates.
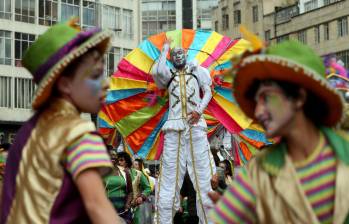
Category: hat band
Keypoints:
(67, 48)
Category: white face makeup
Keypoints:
(178, 57)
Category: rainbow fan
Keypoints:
(137, 110)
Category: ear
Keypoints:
(300, 101)
(64, 85)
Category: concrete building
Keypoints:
(21, 21)
(322, 24)
(165, 15)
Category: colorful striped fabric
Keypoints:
(86, 152)
(137, 109)
(238, 204)
(317, 176)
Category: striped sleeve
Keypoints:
(87, 152)
(238, 203)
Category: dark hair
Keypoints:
(228, 168)
(5, 146)
(313, 108)
(140, 161)
(126, 157)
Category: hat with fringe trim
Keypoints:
(293, 62)
(55, 49)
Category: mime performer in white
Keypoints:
(186, 145)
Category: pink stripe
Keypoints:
(95, 161)
(127, 70)
(221, 47)
(86, 142)
(236, 210)
(318, 174)
(321, 158)
(323, 201)
(242, 199)
(320, 188)
(223, 117)
(90, 153)
(222, 215)
(325, 215)
(245, 185)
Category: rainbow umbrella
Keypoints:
(137, 110)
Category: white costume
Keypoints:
(186, 146)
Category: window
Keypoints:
(302, 36)
(113, 59)
(216, 26)
(282, 38)
(24, 91)
(342, 24)
(317, 34)
(310, 5)
(89, 14)
(225, 22)
(326, 31)
(127, 23)
(5, 9)
(237, 17)
(5, 47)
(25, 11)
(267, 35)
(255, 13)
(327, 2)
(48, 10)
(111, 18)
(126, 52)
(5, 91)
(344, 57)
(22, 42)
(70, 8)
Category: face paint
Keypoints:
(273, 110)
(178, 57)
(96, 85)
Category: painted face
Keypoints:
(274, 110)
(178, 57)
(88, 85)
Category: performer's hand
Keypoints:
(180, 210)
(214, 181)
(194, 117)
(214, 196)
(168, 41)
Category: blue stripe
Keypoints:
(256, 135)
(225, 65)
(226, 93)
(149, 49)
(116, 95)
(103, 124)
(144, 150)
(199, 42)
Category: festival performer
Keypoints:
(54, 168)
(186, 145)
(304, 178)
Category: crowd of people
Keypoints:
(59, 169)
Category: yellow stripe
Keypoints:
(240, 47)
(105, 118)
(124, 83)
(140, 60)
(234, 111)
(209, 47)
(176, 37)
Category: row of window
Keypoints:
(48, 14)
(236, 18)
(342, 30)
(22, 41)
(314, 4)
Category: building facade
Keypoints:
(321, 24)
(165, 15)
(22, 21)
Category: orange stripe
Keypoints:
(245, 150)
(138, 137)
(122, 108)
(158, 40)
(187, 38)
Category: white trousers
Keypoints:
(183, 150)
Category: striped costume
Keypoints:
(311, 185)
